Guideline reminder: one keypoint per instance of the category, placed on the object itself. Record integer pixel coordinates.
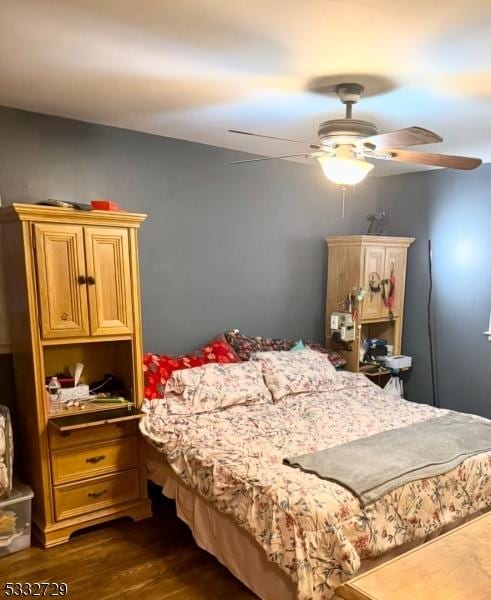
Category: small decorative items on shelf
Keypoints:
(66, 392)
(95, 204)
(104, 204)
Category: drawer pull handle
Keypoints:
(97, 494)
(91, 280)
(82, 279)
(95, 459)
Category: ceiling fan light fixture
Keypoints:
(344, 168)
(344, 144)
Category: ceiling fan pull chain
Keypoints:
(343, 192)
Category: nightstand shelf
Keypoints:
(64, 423)
(369, 372)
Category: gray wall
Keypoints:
(223, 246)
(244, 246)
(454, 210)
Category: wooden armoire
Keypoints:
(362, 262)
(73, 296)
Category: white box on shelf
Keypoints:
(80, 392)
(15, 519)
(397, 362)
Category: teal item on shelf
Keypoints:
(298, 346)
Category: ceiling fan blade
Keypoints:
(305, 154)
(411, 136)
(271, 137)
(434, 160)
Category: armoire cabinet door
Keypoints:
(108, 280)
(395, 262)
(373, 306)
(62, 292)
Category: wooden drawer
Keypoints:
(79, 437)
(73, 464)
(94, 494)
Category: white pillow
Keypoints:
(305, 371)
(215, 386)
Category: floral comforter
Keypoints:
(315, 530)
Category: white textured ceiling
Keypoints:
(191, 69)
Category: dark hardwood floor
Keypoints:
(152, 559)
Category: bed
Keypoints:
(284, 532)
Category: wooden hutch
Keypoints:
(353, 262)
(73, 295)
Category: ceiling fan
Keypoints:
(345, 144)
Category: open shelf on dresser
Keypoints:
(82, 421)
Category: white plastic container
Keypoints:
(15, 519)
(397, 362)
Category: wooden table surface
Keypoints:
(454, 566)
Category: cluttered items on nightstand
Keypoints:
(65, 391)
(376, 355)
(379, 353)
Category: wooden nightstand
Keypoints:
(95, 468)
(454, 566)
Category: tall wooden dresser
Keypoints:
(73, 296)
(364, 262)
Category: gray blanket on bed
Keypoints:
(373, 466)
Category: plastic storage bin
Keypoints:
(15, 519)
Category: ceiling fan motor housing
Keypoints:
(349, 92)
(345, 131)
